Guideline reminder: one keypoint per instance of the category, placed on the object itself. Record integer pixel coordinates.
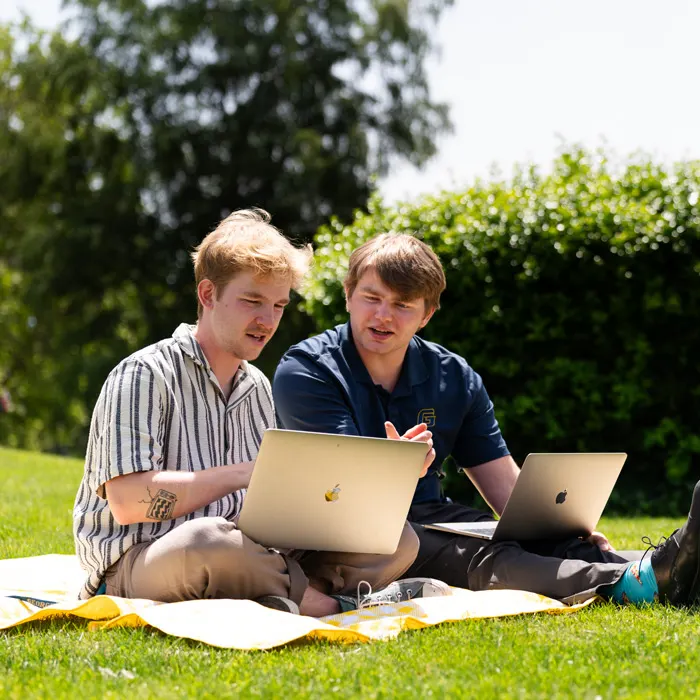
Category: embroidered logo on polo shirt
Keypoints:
(427, 416)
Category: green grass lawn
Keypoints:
(603, 651)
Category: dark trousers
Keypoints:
(569, 570)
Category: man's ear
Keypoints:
(206, 293)
(428, 315)
(347, 298)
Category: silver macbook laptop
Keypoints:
(331, 492)
(555, 496)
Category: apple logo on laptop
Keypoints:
(561, 497)
(333, 494)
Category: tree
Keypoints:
(68, 191)
(129, 142)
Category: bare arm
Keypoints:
(153, 496)
(495, 481)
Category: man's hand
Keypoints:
(601, 541)
(418, 433)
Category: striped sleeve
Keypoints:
(131, 421)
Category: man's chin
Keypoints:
(378, 347)
(250, 356)
(246, 352)
(252, 353)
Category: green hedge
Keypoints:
(576, 295)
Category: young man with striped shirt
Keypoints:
(173, 441)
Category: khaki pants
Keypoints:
(211, 558)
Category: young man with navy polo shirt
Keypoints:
(374, 376)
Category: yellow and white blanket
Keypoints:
(239, 624)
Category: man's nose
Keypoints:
(265, 318)
(383, 312)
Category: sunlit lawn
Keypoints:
(602, 651)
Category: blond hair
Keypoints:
(404, 264)
(247, 241)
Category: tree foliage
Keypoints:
(125, 144)
(576, 295)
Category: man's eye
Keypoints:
(254, 302)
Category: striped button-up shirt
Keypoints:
(162, 408)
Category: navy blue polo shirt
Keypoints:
(322, 385)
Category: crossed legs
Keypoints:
(211, 558)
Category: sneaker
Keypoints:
(277, 602)
(676, 562)
(396, 592)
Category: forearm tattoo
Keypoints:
(162, 505)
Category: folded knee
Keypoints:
(209, 535)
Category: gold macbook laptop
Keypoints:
(555, 496)
(331, 492)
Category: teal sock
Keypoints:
(346, 602)
(637, 585)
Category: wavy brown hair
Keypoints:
(247, 241)
(404, 264)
